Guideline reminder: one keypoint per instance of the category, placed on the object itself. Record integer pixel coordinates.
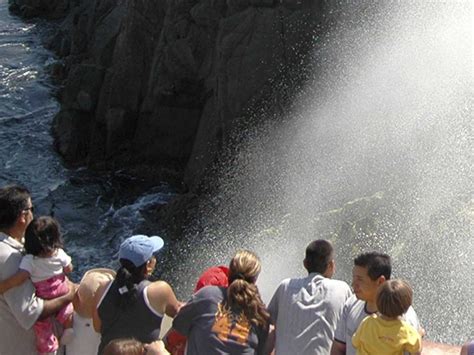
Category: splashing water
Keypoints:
(376, 154)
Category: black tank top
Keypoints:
(135, 321)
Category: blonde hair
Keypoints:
(124, 347)
(242, 291)
(394, 297)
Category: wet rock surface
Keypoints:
(163, 82)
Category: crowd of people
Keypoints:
(226, 315)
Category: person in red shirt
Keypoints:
(214, 276)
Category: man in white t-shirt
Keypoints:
(19, 307)
(305, 310)
(369, 272)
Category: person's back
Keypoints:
(231, 320)
(306, 310)
(218, 330)
(135, 321)
(378, 336)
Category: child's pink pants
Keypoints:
(46, 341)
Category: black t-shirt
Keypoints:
(214, 329)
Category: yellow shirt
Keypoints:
(377, 336)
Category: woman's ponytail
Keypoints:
(242, 292)
(128, 276)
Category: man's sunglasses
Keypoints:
(32, 209)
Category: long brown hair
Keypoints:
(242, 292)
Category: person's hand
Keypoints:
(72, 290)
(422, 332)
(156, 348)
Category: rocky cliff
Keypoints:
(163, 82)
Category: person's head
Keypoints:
(124, 347)
(369, 272)
(394, 297)
(214, 276)
(137, 260)
(16, 209)
(43, 236)
(242, 292)
(320, 258)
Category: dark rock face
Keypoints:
(32, 8)
(163, 82)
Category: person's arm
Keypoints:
(162, 298)
(190, 311)
(270, 342)
(68, 269)
(14, 280)
(272, 309)
(338, 348)
(465, 347)
(21, 300)
(66, 261)
(412, 341)
(338, 345)
(53, 306)
(273, 305)
(356, 337)
(412, 318)
(421, 331)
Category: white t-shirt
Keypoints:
(44, 268)
(354, 312)
(306, 311)
(19, 307)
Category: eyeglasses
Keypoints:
(32, 209)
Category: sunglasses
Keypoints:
(32, 209)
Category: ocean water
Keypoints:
(96, 210)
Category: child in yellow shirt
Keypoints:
(386, 333)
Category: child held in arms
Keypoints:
(46, 264)
(386, 333)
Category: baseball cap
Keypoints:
(214, 276)
(140, 248)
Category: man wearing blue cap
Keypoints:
(131, 306)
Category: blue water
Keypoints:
(96, 211)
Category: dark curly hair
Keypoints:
(43, 236)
